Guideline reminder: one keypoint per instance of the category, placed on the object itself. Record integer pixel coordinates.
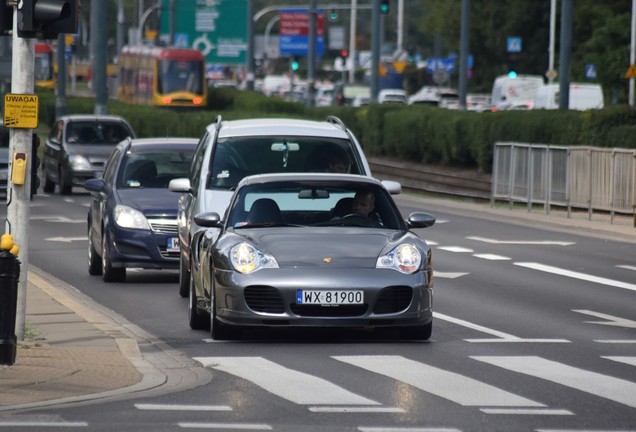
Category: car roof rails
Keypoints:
(336, 121)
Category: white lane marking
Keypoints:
(616, 341)
(610, 319)
(492, 257)
(42, 424)
(457, 249)
(404, 429)
(355, 409)
(501, 336)
(627, 360)
(597, 384)
(225, 426)
(448, 275)
(66, 239)
(627, 267)
(165, 407)
(584, 430)
(297, 387)
(57, 219)
(521, 242)
(577, 275)
(534, 411)
(445, 384)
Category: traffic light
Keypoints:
(46, 19)
(344, 54)
(6, 20)
(294, 65)
(333, 15)
(384, 6)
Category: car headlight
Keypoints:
(246, 259)
(79, 162)
(405, 258)
(127, 217)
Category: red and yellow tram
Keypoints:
(43, 65)
(159, 76)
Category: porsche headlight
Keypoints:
(79, 162)
(405, 258)
(127, 217)
(246, 259)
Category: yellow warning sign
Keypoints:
(400, 66)
(631, 72)
(21, 111)
(382, 70)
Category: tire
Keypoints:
(94, 261)
(110, 273)
(184, 277)
(49, 186)
(198, 320)
(66, 185)
(421, 332)
(218, 330)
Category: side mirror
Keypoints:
(394, 188)
(181, 185)
(208, 220)
(96, 185)
(420, 220)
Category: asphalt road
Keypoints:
(534, 330)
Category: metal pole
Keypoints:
(99, 10)
(311, 54)
(565, 54)
(60, 102)
(249, 55)
(400, 26)
(375, 51)
(352, 40)
(120, 25)
(463, 53)
(19, 196)
(632, 54)
(552, 38)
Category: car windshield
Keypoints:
(92, 132)
(314, 203)
(153, 169)
(235, 158)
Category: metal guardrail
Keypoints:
(589, 178)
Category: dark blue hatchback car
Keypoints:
(132, 221)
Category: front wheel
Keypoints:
(94, 262)
(184, 277)
(110, 273)
(198, 321)
(49, 185)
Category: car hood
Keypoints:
(98, 151)
(151, 202)
(332, 247)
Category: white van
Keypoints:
(582, 97)
(516, 92)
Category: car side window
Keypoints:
(57, 132)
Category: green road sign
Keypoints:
(217, 28)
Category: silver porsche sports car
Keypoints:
(311, 250)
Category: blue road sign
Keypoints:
(514, 44)
(590, 71)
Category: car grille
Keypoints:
(164, 253)
(326, 311)
(164, 226)
(264, 299)
(393, 299)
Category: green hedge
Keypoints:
(420, 134)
